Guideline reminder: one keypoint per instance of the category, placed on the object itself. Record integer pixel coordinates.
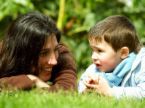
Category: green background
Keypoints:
(74, 18)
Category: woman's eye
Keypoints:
(48, 53)
(56, 53)
(44, 53)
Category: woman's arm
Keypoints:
(22, 82)
(16, 82)
(64, 78)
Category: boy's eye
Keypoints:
(99, 50)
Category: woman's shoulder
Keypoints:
(62, 48)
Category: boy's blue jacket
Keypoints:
(133, 84)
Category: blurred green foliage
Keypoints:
(74, 18)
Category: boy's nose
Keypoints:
(94, 56)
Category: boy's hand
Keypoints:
(99, 84)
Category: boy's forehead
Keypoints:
(98, 41)
(95, 40)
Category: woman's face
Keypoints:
(48, 58)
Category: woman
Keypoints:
(32, 55)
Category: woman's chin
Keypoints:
(45, 76)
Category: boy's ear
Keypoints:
(124, 52)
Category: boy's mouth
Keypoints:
(98, 65)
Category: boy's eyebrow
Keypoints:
(92, 46)
(95, 47)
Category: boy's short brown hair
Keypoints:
(118, 31)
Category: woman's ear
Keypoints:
(124, 52)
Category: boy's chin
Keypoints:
(105, 71)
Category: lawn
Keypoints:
(43, 99)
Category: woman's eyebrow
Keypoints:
(44, 50)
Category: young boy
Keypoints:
(118, 60)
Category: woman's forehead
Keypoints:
(50, 42)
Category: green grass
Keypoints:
(41, 99)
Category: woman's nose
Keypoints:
(52, 60)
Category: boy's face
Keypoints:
(104, 56)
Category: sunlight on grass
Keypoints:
(43, 99)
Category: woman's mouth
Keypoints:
(47, 69)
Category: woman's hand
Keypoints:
(99, 84)
(39, 83)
